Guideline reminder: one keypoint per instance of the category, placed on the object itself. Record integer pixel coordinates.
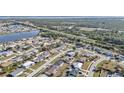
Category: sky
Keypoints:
(58, 17)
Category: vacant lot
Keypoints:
(105, 67)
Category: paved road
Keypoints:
(19, 53)
(91, 72)
(47, 63)
(102, 58)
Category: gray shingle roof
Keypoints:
(17, 71)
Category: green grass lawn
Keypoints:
(54, 61)
(11, 67)
(37, 65)
(61, 70)
(28, 71)
(86, 65)
(96, 74)
(4, 58)
(22, 75)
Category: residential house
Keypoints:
(52, 70)
(6, 53)
(70, 54)
(28, 64)
(17, 72)
(72, 72)
(59, 63)
(78, 65)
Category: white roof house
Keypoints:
(78, 65)
(70, 53)
(7, 53)
(28, 64)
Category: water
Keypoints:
(17, 36)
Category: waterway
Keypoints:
(17, 36)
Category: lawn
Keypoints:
(22, 75)
(28, 71)
(11, 67)
(61, 70)
(4, 58)
(86, 65)
(54, 61)
(39, 73)
(37, 65)
(96, 74)
(107, 66)
(103, 73)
